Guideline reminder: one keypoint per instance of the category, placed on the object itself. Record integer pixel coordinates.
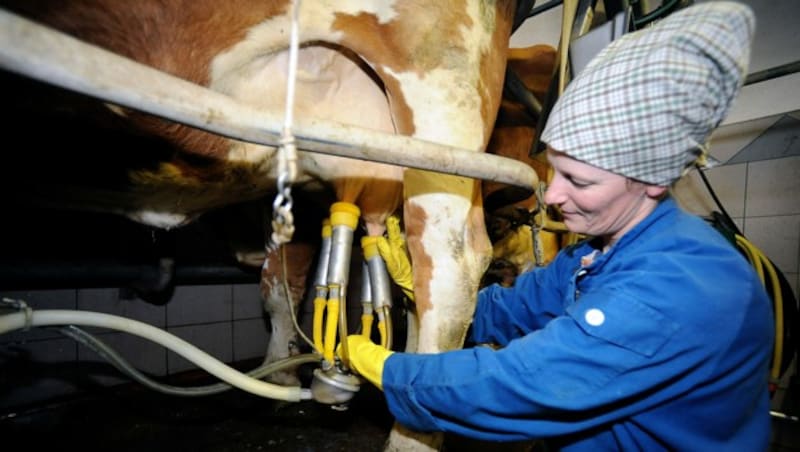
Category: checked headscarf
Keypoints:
(646, 105)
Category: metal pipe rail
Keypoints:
(53, 57)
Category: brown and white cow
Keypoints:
(511, 215)
(432, 69)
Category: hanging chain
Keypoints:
(282, 218)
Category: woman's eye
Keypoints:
(579, 183)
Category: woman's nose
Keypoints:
(554, 193)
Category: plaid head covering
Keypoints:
(646, 105)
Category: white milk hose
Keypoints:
(36, 318)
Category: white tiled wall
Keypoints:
(762, 196)
(215, 339)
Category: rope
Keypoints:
(282, 218)
(288, 291)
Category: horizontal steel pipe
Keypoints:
(50, 56)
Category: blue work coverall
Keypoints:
(661, 343)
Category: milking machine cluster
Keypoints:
(333, 382)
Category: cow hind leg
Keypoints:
(283, 284)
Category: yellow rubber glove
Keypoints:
(394, 253)
(367, 358)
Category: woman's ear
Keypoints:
(655, 191)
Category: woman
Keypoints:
(653, 334)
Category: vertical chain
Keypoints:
(282, 218)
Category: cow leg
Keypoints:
(450, 251)
(284, 338)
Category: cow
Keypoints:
(428, 69)
(511, 213)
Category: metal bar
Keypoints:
(547, 6)
(53, 57)
(662, 11)
(773, 72)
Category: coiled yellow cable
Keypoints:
(761, 262)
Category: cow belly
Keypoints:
(331, 84)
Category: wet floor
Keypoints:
(131, 418)
(139, 420)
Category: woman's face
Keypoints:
(596, 202)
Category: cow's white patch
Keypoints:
(251, 258)
(163, 220)
(447, 102)
(436, 117)
(384, 11)
(454, 265)
(329, 87)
